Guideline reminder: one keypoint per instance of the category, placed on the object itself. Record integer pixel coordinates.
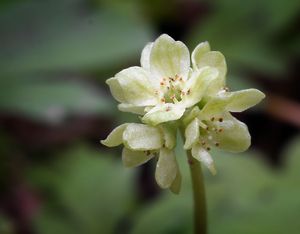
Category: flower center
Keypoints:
(208, 132)
(171, 89)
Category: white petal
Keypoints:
(197, 85)
(198, 53)
(166, 168)
(142, 137)
(163, 113)
(204, 157)
(234, 137)
(145, 57)
(192, 133)
(136, 86)
(232, 101)
(131, 108)
(176, 185)
(115, 137)
(132, 158)
(169, 133)
(169, 58)
(116, 89)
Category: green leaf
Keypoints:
(53, 100)
(77, 196)
(71, 40)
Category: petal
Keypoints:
(169, 134)
(166, 168)
(197, 85)
(131, 108)
(116, 89)
(234, 137)
(176, 185)
(163, 113)
(169, 58)
(198, 53)
(136, 86)
(191, 133)
(145, 57)
(115, 137)
(142, 137)
(135, 158)
(244, 99)
(204, 157)
(232, 101)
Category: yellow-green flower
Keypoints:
(141, 143)
(165, 85)
(170, 93)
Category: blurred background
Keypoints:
(55, 177)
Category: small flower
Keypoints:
(214, 126)
(142, 143)
(165, 85)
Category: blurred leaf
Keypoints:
(90, 193)
(6, 226)
(52, 100)
(62, 35)
(248, 37)
(244, 197)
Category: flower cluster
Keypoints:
(169, 93)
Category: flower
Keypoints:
(169, 94)
(214, 126)
(142, 143)
(165, 85)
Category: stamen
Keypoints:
(163, 100)
(217, 144)
(220, 119)
(208, 148)
(220, 130)
(162, 83)
(188, 92)
(212, 119)
(168, 108)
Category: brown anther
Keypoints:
(188, 92)
(156, 92)
(212, 119)
(172, 97)
(226, 89)
(168, 108)
(148, 152)
(203, 143)
(220, 130)
(207, 128)
(164, 145)
(171, 78)
(168, 87)
(217, 144)
(182, 93)
(162, 83)
(220, 119)
(208, 148)
(180, 79)
(163, 100)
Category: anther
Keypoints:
(168, 108)
(188, 92)
(203, 143)
(220, 119)
(162, 83)
(208, 148)
(220, 130)
(163, 100)
(212, 119)
(217, 144)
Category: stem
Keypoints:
(200, 220)
(199, 195)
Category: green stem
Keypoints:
(199, 195)
(200, 220)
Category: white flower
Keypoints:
(165, 85)
(141, 143)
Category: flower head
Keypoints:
(171, 94)
(165, 85)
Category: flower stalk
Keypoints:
(200, 219)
